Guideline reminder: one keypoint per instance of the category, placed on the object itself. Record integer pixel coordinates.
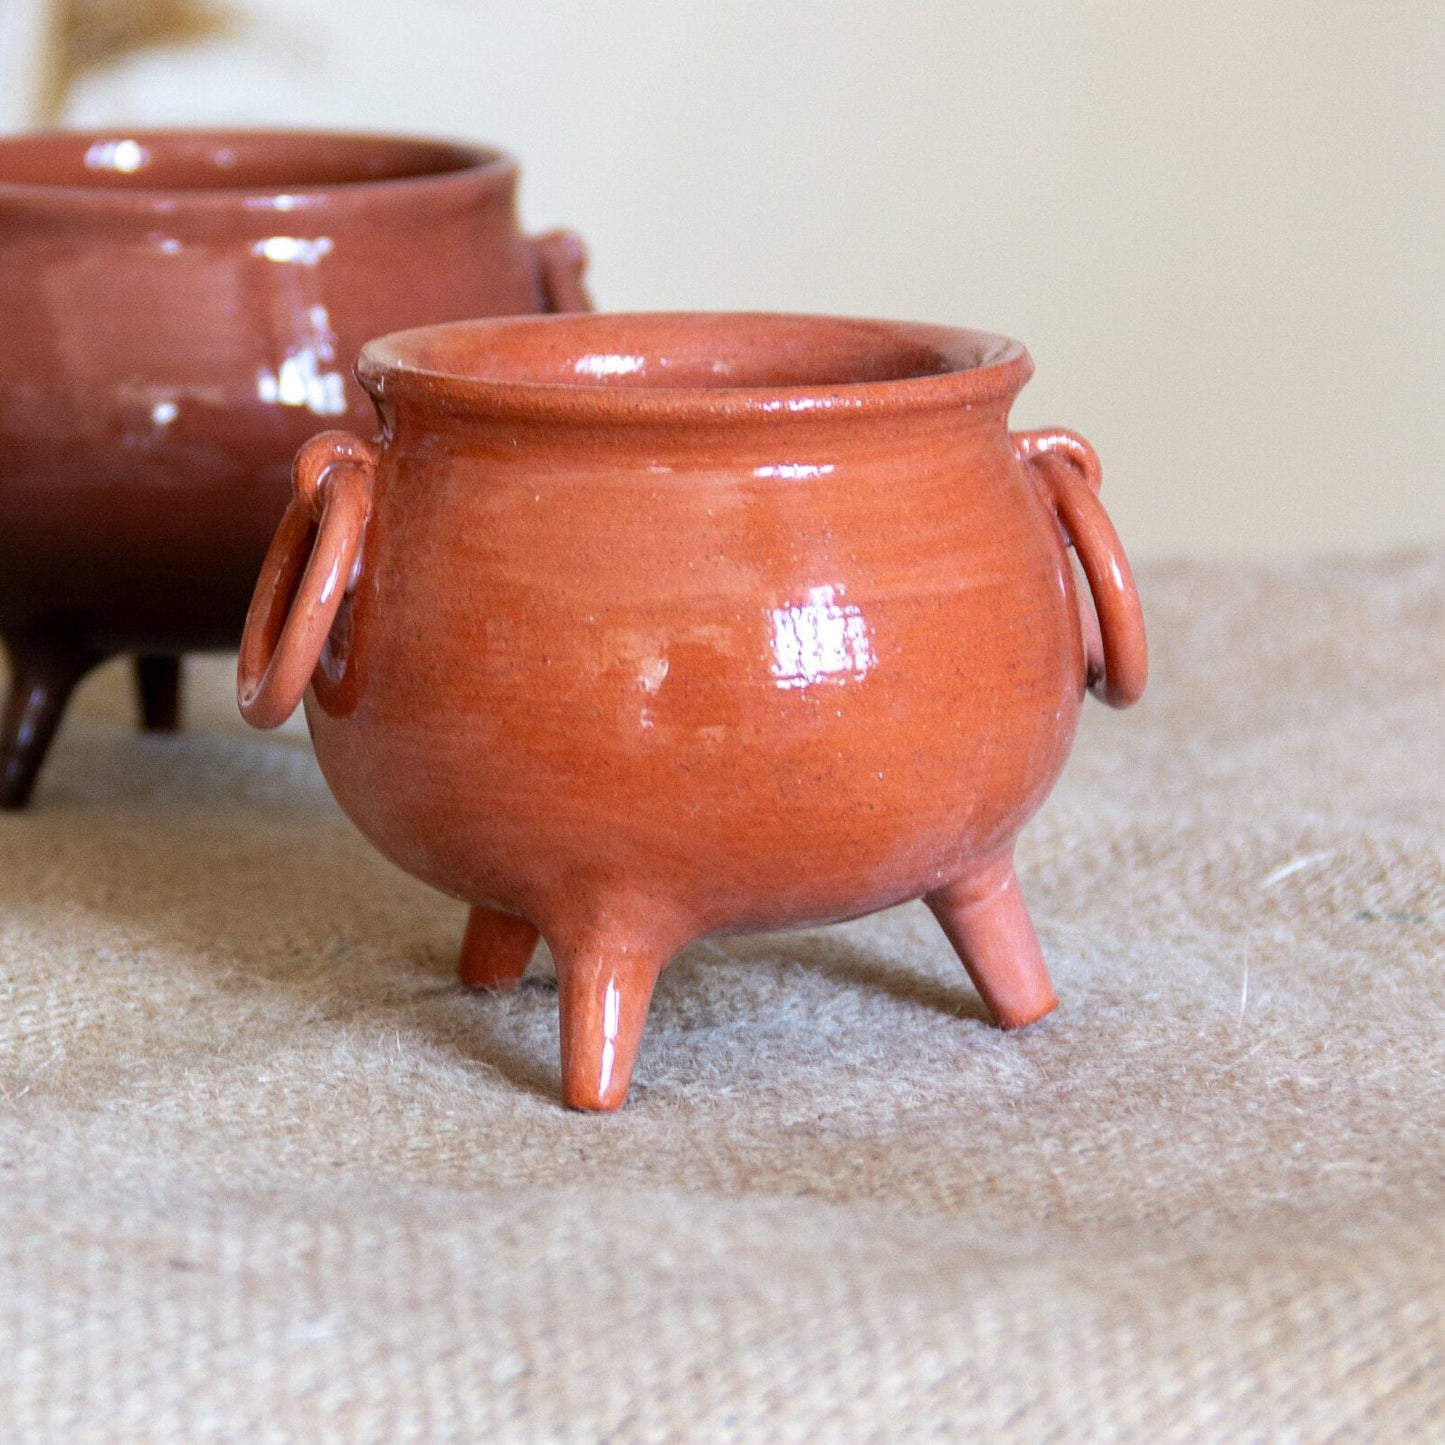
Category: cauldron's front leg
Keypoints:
(496, 949)
(44, 670)
(158, 685)
(605, 976)
(984, 916)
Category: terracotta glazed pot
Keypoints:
(636, 629)
(181, 311)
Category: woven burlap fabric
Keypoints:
(268, 1173)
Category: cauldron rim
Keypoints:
(964, 368)
(454, 163)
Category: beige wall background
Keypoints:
(1220, 227)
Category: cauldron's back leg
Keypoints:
(605, 977)
(44, 670)
(158, 685)
(495, 949)
(984, 916)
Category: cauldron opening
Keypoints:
(210, 161)
(704, 359)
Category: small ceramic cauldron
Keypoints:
(635, 629)
(181, 310)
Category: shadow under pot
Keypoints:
(633, 630)
(182, 310)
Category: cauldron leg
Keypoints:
(984, 916)
(44, 671)
(604, 987)
(158, 685)
(495, 949)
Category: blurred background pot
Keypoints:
(636, 629)
(181, 310)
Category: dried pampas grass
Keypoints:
(87, 35)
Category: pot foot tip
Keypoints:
(1020, 1015)
(158, 688)
(591, 1101)
(19, 772)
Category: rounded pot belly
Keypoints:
(753, 767)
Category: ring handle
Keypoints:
(303, 581)
(1117, 650)
(561, 258)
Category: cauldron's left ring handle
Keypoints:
(1068, 469)
(302, 583)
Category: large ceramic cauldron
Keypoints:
(179, 312)
(640, 628)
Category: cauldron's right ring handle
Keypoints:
(302, 584)
(1068, 470)
(561, 260)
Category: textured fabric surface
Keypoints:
(267, 1172)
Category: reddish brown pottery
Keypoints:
(181, 311)
(636, 629)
